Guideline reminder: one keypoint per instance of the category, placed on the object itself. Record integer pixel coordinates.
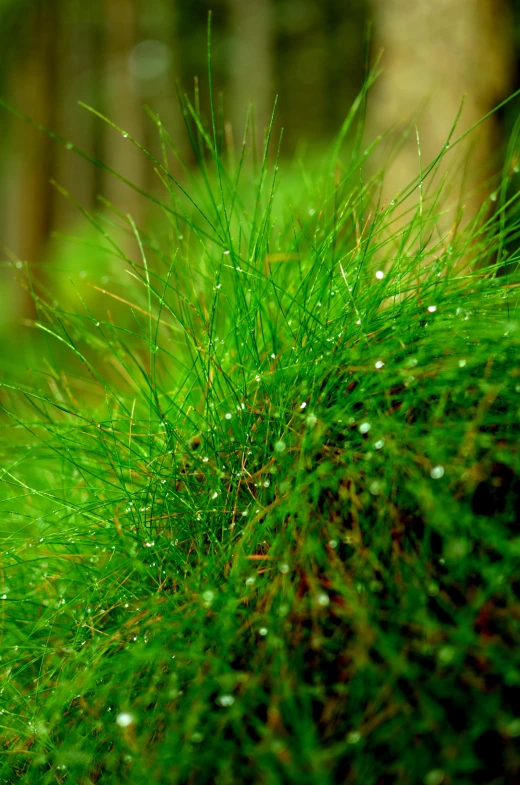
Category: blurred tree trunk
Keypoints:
(159, 27)
(32, 153)
(75, 79)
(251, 65)
(123, 108)
(434, 52)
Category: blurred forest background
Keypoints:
(119, 55)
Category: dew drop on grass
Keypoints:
(353, 737)
(303, 405)
(225, 700)
(250, 581)
(379, 444)
(311, 420)
(228, 415)
(364, 427)
(434, 777)
(513, 728)
(432, 308)
(279, 446)
(323, 599)
(379, 364)
(124, 135)
(215, 494)
(333, 544)
(124, 719)
(263, 631)
(375, 488)
(284, 569)
(380, 275)
(208, 597)
(437, 472)
(446, 654)
(462, 363)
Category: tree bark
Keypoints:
(251, 64)
(434, 53)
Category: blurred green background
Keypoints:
(120, 55)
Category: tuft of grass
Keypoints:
(261, 498)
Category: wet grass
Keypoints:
(263, 525)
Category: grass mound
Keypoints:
(264, 526)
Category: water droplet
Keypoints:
(228, 416)
(379, 444)
(446, 654)
(379, 364)
(250, 581)
(494, 197)
(215, 494)
(513, 728)
(303, 405)
(462, 363)
(124, 135)
(284, 569)
(434, 777)
(333, 544)
(323, 599)
(226, 253)
(353, 737)
(432, 308)
(375, 488)
(263, 631)
(279, 446)
(364, 427)
(124, 719)
(208, 596)
(380, 275)
(311, 420)
(225, 700)
(437, 472)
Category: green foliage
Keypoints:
(263, 525)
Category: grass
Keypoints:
(260, 499)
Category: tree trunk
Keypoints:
(434, 53)
(251, 64)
